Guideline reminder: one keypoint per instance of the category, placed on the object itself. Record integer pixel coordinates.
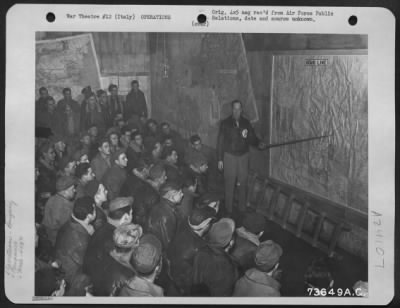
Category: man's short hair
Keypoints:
(91, 94)
(236, 101)
(65, 161)
(86, 90)
(167, 151)
(112, 132)
(198, 215)
(169, 186)
(118, 214)
(81, 170)
(42, 89)
(166, 137)
(165, 124)
(111, 87)
(254, 222)
(135, 134)
(140, 165)
(156, 171)
(50, 98)
(100, 92)
(125, 129)
(194, 139)
(151, 121)
(92, 125)
(102, 141)
(45, 147)
(117, 154)
(66, 90)
(134, 82)
(83, 207)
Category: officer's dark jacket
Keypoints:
(235, 137)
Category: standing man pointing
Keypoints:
(235, 137)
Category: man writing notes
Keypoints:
(235, 137)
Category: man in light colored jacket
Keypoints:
(261, 281)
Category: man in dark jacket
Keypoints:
(151, 131)
(59, 207)
(197, 167)
(170, 157)
(99, 193)
(60, 148)
(213, 267)
(189, 196)
(163, 219)
(145, 195)
(115, 269)
(102, 161)
(115, 177)
(235, 137)
(41, 103)
(119, 212)
(115, 101)
(135, 150)
(105, 108)
(47, 117)
(167, 132)
(153, 150)
(247, 240)
(84, 175)
(67, 100)
(135, 103)
(73, 238)
(93, 115)
(187, 242)
(157, 176)
(211, 200)
(46, 183)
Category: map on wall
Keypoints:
(205, 73)
(67, 62)
(314, 96)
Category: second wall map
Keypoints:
(322, 95)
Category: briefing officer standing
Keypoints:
(235, 137)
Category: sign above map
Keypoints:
(316, 61)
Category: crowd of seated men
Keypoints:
(124, 207)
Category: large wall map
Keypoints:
(67, 62)
(322, 95)
(205, 72)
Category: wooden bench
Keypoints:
(302, 216)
